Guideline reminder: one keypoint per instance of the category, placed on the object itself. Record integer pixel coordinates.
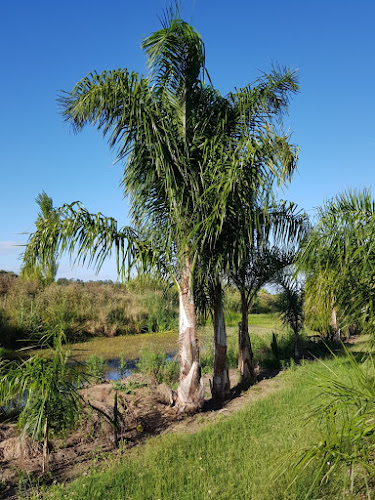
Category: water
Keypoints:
(113, 372)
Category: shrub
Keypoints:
(95, 368)
(29, 309)
(157, 366)
(47, 390)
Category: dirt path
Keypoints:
(268, 383)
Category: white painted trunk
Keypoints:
(190, 391)
(221, 385)
(335, 329)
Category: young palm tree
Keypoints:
(266, 248)
(291, 302)
(46, 271)
(338, 259)
(48, 391)
(345, 416)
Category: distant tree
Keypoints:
(10, 274)
(44, 270)
(291, 306)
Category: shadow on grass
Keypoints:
(275, 359)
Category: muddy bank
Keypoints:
(143, 412)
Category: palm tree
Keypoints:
(267, 247)
(291, 301)
(176, 134)
(47, 389)
(338, 259)
(46, 271)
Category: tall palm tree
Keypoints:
(176, 135)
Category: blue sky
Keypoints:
(47, 46)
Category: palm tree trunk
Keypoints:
(221, 386)
(336, 332)
(245, 352)
(297, 353)
(190, 391)
(45, 447)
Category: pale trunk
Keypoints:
(336, 331)
(221, 386)
(190, 391)
(45, 447)
(245, 353)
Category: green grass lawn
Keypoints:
(244, 456)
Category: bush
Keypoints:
(95, 368)
(157, 366)
(29, 309)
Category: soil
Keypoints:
(144, 413)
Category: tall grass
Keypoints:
(156, 366)
(29, 309)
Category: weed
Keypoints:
(95, 368)
(122, 365)
(128, 388)
(155, 365)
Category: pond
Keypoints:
(113, 370)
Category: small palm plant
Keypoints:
(345, 413)
(47, 389)
(291, 308)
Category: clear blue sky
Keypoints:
(48, 45)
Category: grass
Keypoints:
(128, 345)
(242, 456)
(261, 327)
(156, 366)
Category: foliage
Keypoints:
(157, 366)
(95, 368)
(122, 366)
(207, 464)
(345, 410)
(47, 389)
(128, 387)
(338, 259)
(291, 302)
(207, 358)
(44, 270)
(275, 350)
(29, 310)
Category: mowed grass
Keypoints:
(243, 456)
